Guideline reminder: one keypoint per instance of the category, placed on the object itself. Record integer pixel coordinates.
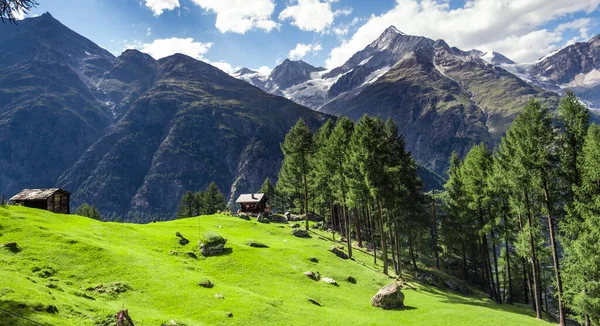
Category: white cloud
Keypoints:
(240, 16)
(161, 48)
(513, 26)
(309, 15)
(226, 67)
(264, 70)
(158, 6)
(303, 50)
(149, 31)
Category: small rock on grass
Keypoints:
(206, 284)
(312, 275)
(219, 296)
(351, 279)
(313, 259)
(329, 280)
(315, 302)
(229, 314)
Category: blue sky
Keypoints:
(261, 33)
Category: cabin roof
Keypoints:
(248, 198)
(36, 194)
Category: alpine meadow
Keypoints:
(299, 162)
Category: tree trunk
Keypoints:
(357, 228)
(464, 257)
(510, 290)
(393, 244)
(434, 232)
(383, 240)
(496, 266)
(412, 253)
(399, 256)
(348, 230)
(305, 192)
(559, 290)
(536, 275)
(332, 220)
(372, 232)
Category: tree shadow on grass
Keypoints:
(18, 313)
(454, 298)
(405, 308)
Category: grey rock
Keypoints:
(389, 297)
(300, 233)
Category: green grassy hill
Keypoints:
(64, 258)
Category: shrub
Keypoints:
(211, 238)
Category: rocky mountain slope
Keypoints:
(575, 67)
(444, 99)
(130, 134)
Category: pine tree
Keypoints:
(298, 148)
(268, 189)
(370, 155)
(337, 160)
(89, 211)
(214, 200)
(186, 205)
(582, 251)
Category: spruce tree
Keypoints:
(186, 205)
(582, 250)
(214, 200)
(268, 189)
(298, 148)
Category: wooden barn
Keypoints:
(252, 203)
(54, 199)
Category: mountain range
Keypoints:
(131, 134)
(444, 99)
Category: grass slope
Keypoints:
(62, 255)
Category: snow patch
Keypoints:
(365, 61)
(375, 75)
(87, 53)
(590, 79)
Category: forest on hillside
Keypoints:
(521, 220)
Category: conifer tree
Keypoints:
(371, 156)
(582, 250)
(214, 200)
(298, 148)
(268, 189)
(186, 205)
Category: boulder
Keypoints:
(182, 241)
(295, 226)
(244, 217)
(312, 275)
(287, 215)
(338, 253)
(389, 297)
(192, 254)
(300, 233)
(329, 280)
(262, 219)
(213, 248)
(351, 279)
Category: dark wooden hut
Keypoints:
(54, 199)
(252, 203)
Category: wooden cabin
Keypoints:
(54, 199)
(252, 203)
